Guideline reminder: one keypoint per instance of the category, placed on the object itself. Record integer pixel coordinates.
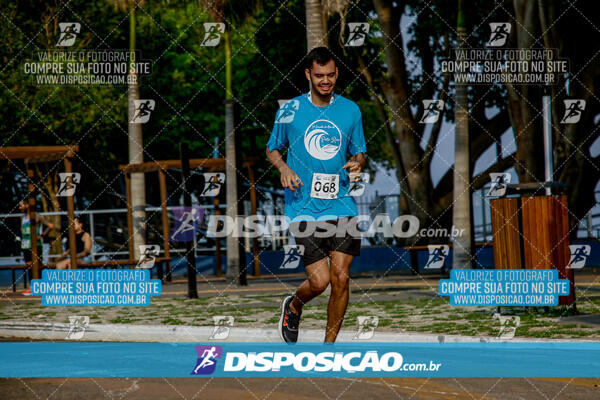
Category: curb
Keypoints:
(50, 331)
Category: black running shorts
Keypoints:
(337, 237)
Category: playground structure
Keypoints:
(37, 154)
(161, 166)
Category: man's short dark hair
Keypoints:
(322, 55)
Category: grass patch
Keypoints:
(172, 321)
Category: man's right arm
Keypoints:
(288, 178)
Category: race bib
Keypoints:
(325, 186)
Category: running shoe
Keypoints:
(289, 322)
(27, 292)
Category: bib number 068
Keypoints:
(325, 186)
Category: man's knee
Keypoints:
(318, 284)
(339, 280)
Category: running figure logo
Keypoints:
(142, 110)
(431, 111)
(68, 183)
(499, 34)
(223, 324)
(212, 35)
(357, 188)
(207, 359)
(148, 254)
(287, 111)
(498, 182)
(366, 327)
(357, 33)
(77, 327)
(579, 255)
(437, 256)
(68, 33)
(213, 181)
(508, 325)
(292, 254)
(573, 110)
(185, 223)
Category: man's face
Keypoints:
(323, 77)
(22, 206)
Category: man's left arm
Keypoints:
(357, 149)
(355, 165)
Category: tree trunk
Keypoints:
(315, 25)
(417, 186)
(136, 152)
(236, 255)
(461, 208)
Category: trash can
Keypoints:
(532, 232)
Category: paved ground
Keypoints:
(300, 389)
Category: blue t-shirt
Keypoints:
(319, 140)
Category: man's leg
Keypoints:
(340, 292)
(317, 282)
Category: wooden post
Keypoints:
(35, 262)
(165, 220)
(253, 208)
(71, 218)
(219, 266)
(129, 214)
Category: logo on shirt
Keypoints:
(322, 139)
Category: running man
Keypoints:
(316, 178)
(26, 244)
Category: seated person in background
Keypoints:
(83, 243)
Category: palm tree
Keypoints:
(136, 142)
(461, 209)
(230, 11)
(315, 25)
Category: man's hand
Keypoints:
(354, 168)
(289, 178)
